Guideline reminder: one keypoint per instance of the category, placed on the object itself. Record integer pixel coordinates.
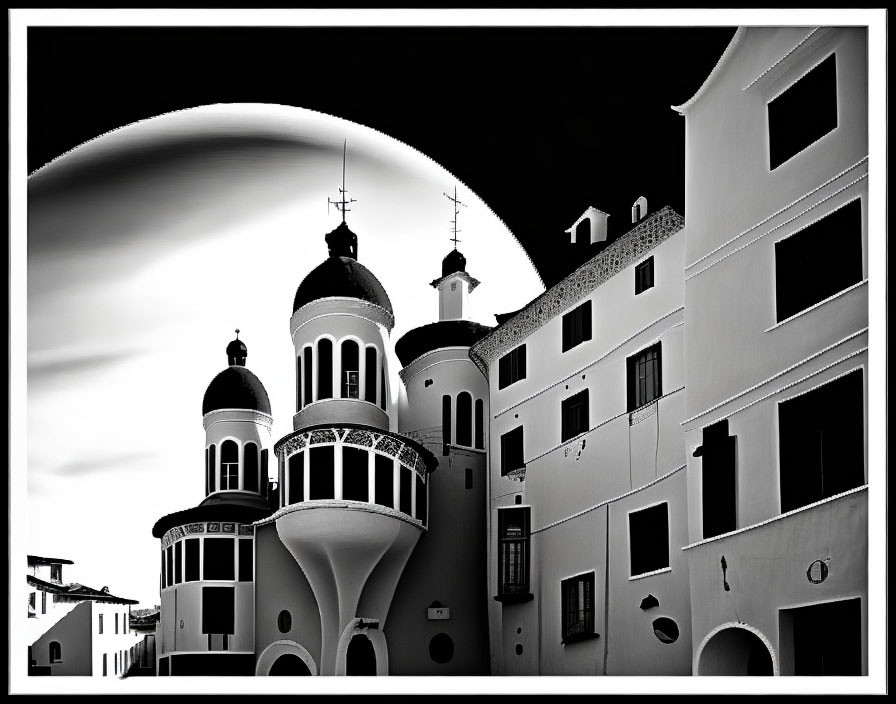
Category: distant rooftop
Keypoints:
(78, 592)
(38, 560)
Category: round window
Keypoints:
(284, 621)
(665, 629)
(441, 648)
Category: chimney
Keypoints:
(639, 209)
(590, 228)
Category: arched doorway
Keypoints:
(735, 650)
(289, 665)
(361, 657)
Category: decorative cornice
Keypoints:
(389, 444)
(456, 274)
(339, 305)
(229, 415)
(214, 527)
(627, 249)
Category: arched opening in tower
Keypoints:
(289, 665)
(360, 658)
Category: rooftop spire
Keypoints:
(342, 204)
(236, 351)
(454, 229)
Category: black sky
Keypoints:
(539, 122)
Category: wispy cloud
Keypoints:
(101, 463)
(50, 367)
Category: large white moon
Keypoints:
(149, 245)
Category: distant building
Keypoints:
(73, 629)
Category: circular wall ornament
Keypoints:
(817, 572)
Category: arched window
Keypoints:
(446, 419)
(370, 380)
(230, 465)
(309, 376)
(55, 651)
(480, 424)
(298, 383)
(250, 467)
(464, 419)
(324, 369)
(211, 468)
(350, 378)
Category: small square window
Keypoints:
(577, 597)
(644, 276)
(512, 367)
(512, 451)
(575, 415)
(218, 560)
(648, 533)
(577, 326)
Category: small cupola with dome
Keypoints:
(455, 284)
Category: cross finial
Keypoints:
(342, 204)
(237, 331)
(454, 229)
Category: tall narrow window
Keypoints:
(480, 425)
(804, 113)
(209, 476)
(218, 561)
(512, 367)
(577, 326)
(383, 386)
(644, 377)
(55, 651)
(245, 558)
(421, 500)
(468, 478)
(819, 261)
(446, 419)
(384, 480)
(324, 368)
(648, 533)
(105, 664)
(191, 560)
(719, 453)
(574, 415)
(299, 383)
(822, 441)
(178, 563)
(354, 474)
(296, 478)
(250, 466)
(464, 419)
(513, 552)
(512, 451)
(230, 465)
(350, 369)
(101, 623)
(577, 606)
(169, 566)
(307, 354)
(321, 481)
(212, 462)
(264, 472)
(116, 624)
(644, 276)
(370, 378)
(43, 602)
(404, 490)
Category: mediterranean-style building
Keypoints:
(656, 467)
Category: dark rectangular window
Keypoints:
(264, 472)
(101, 623)
(211, 468)
(383, 386)
(299, 383)
(512, 367)
(468, 478)
(644, 276)
(169, 566)
(446, 419)
(217, 609)
(250, 466)
(822, 441)
(719, 456)
(819, 260)
(296, 471)
(512, 451)
(321, 480)
(309, 375)
(209, 476)
(421, 499)
(574, 415)
(648, 535)
(370, 378)
(218, 562)
(513, 551)
(324, 368)
(105, 664)
(577, 326)
(43, 602)
(404, 490)
(804, 113)
(479, 425)
(354, 474)
(577, 606)
(178, 563)
(383, 480)
(56, 573)
(191, 560)
(645, 371)
(245, 560)
(116, 624)
(827, 638)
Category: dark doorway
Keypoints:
(289, 665)
(361, 658)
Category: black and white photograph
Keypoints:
(447, 351)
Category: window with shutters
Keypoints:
(574, 412)
(644, 377)
(577, 326)
(513, 554)
(577, 607)
(512, 367)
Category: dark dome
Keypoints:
(236, 350)
(343, 277)
(236, 387)
(455, 261)
(445, 333)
